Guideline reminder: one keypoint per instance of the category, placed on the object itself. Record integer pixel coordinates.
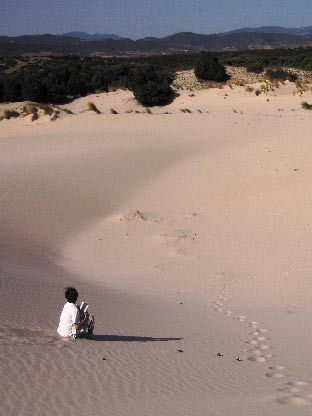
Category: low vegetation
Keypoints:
(306, 106)
(249, 89)
(281, 75)
(55, 115)
(60, 79)
(256, 68)
(93, 107)
(186, 111)
(7, 114)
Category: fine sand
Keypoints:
(188, 231)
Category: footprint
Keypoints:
(295, 400)
(274, 375)
(256, 352)
(256, 359)
(289, 390)
(260, 338)
(277, 368)
(264, 347)
(252, 342)
(298, 383)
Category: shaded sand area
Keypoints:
(189, 235)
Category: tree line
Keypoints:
(61, 83)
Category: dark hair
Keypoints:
(71, 294)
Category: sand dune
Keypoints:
(189, 235)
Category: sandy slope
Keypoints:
(217, 260)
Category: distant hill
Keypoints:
(94, 36)
(301, 31)
(177, 43)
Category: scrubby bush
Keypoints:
(256, 68)
(151, 86)
(55, 115)
(93, 107)
(7, 114)
(208, 68)
(249, 89)
(281, 75)
(306, 106)
(47, 109)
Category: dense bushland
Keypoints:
(60, 81)
(273, 58)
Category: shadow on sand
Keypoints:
(124, 338)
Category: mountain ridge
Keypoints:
(300, 31)
(182, 42)
(93, 36)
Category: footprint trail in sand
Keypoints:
(289, 392)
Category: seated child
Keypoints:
(71, 325)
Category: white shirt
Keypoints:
(69, 317)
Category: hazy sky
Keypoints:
(140, 18)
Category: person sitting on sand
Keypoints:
(71, 324)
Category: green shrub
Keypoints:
(56, 115)
(35, 116)
(48, 110)
(256, 68)
(7, 114)
(306, 106)
(151, 86)
(66, 110)
(208, 68)
(281, 75)
(93, 107)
